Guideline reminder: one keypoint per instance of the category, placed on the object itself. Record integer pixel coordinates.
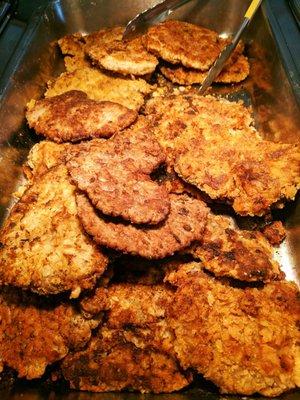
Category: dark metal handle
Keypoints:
(295, 7)
(7, 10)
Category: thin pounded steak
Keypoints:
(232, 252)
(107, 49)
(115, 174)
(184, 224)
(43, 245)
(72, 116)
(35, 333)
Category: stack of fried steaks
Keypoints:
(122, 264)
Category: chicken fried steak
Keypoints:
(33, 335)
(240, 254)
(72, 116)
(181, 42)
(187, 112)
(102, 87)
(116, 175)
(232, 73)
(43, 246)
(250, 173)
(107, 50)
(184, 224)
(133, 350)
(246, 341)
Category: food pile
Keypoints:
(119, 269)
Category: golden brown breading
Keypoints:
(181, 42)
(189, 113)
(107, 50)
(112, 361)
(232, 73)
(43, 156)
(116, 175)
(72, 45)
(73, 63)
(184, 224)
(275, 233)
(240, 254)
(134, 348)
(124, 164)
(72, 116)
(102, 87)
(43, 245)
(244, 340)
(250, 173)
(33, 335)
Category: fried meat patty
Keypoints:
(181, 42)
(187, 112)
(102, 87)
(184, 224)
(240, 254)
(250, 173)
(72, 116)
(43, 246)
(116, 175)
(244, 340)
(232, 73)
(43, 156)
(133, 350)
(33, 335)
(107, 50)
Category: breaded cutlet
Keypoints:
(72, 116)
(184, 224)
(240, 254)
(43, 246)
(102, 87)
(246, 341)
(233, 73)
(107, 50)
(34, 334)
(115, 175)
(183, 43)
(251, 174)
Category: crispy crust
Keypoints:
(250, 173)
(275, 233)
(102, 87)
(232, 73)
(188, 113)
(181, 42)
(244, 340)
(33, 335)
(107, 50)
(72, 116)
(116, 175)
(240, 254)
(134, 348)
(43, 245)
(72, 45)
(185, 223)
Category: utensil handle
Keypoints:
(252, 9)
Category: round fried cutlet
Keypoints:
(107, 50)
(72, 116)
(183, 43)
(34, 333)
(43, 246)
(233, 73)
(188, 113)
(246, 341)
(115, 174)
(250, 173)
(184, 224)
(102, 87)
(240, 254)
